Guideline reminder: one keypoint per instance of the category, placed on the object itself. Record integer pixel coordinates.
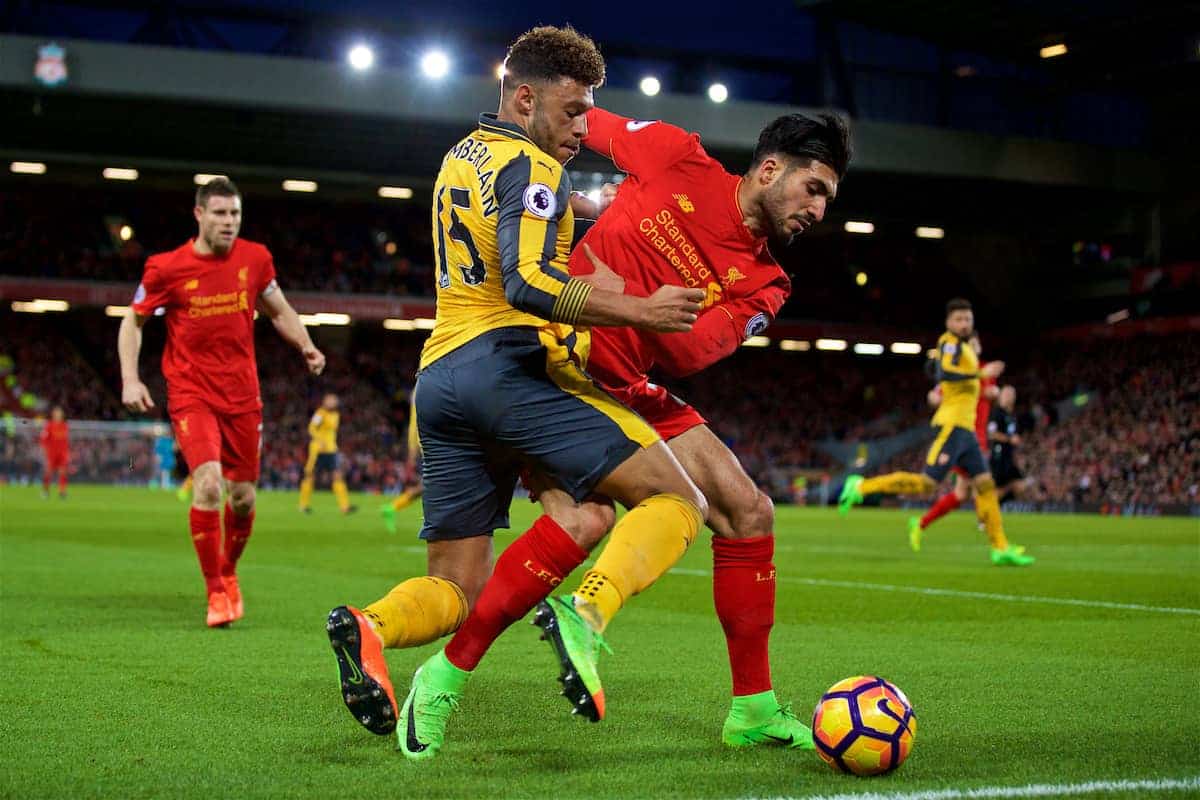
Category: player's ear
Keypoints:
(768, 171)
(198, 212)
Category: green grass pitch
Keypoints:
(113, 687)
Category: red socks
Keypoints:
(237, 533)
(62, 482)
(206, 536)
(744, 594)
(525, 574)
(945, 504)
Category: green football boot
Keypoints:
(1014, 556)
(577, 647)
(914, 534)
(437, 687)
(389, 516)
(759, 719)
(850, 496)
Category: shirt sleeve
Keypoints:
(950, 362)
(534, 199)
(153, 293)
(719, 331)
(314, 424)
(266, 280)
(639, 147)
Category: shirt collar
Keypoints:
(489, 122)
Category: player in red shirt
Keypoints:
(208, 289)
(681, 219)
(962, 484)
(56, 446)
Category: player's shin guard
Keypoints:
(342, 494)
(525, 574)
(306, 490)
(237, 533)
(989, 509)
(418, 611)
(945, 504)
(744, 596)
(898, 483)
(643, 545)
(206, 537)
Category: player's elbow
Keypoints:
(521, 296)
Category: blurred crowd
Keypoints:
(1111, 423)
(317, 245)
(1128, 437)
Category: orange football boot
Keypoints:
(235, 596)
(366, 688)
(220, 610)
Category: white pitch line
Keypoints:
(1030, 790)
(1008, 598)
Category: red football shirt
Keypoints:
(55, 436)
(675, 220)
(983, 410)
(209, 305)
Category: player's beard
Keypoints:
(775, 210)
(539, 131)
(217, 246)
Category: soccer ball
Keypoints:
(864, 725)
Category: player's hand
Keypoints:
(934, 397)
(1014, 439)
(136, 397)
(672, 309)
(314, 358)
(991, 392)
(602, 277)
(993, 369)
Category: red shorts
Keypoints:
(235, 440)
(665, 412)
(57, 459)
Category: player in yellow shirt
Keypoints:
(323, 456)
(414, 487)
(502, 383)
(955, 445)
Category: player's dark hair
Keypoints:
(957, 304)
(547, 54)
(824, 138)
(219, 187)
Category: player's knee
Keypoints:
(242, 500)
(984, 483)
(588, 522)
(206, 491)
(752, 515)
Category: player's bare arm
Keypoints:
(134, 394)
(287, 323)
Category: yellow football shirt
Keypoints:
(502, 230)
(958, 376)
(322, 429)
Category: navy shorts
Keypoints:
(326, 462)
(954, 447)
(506, 399)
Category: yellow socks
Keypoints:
(403, 501)
(342, 494)
(306, 489)
(988, 504)
(418, 611)
(898, 483)
(644, 544)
